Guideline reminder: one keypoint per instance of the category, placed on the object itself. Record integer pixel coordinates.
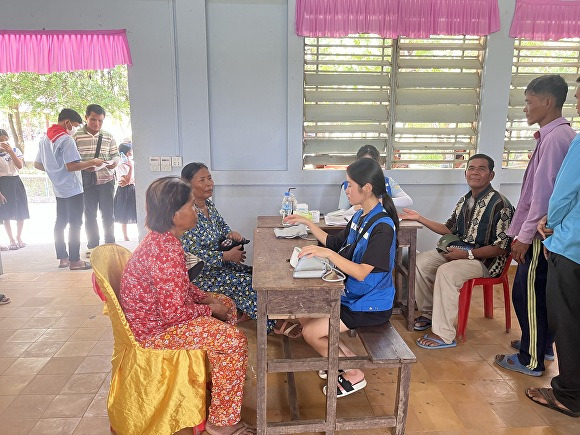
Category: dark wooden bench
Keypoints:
(385, 349)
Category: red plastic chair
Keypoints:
(487, 283)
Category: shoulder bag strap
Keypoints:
(99, 142)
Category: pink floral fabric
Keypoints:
(155, 290)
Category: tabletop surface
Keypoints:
(272, 270)
(276, 222)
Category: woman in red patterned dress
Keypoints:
(166, 311)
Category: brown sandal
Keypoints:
(548, 395)
(84, 265)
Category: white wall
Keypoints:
(220, 81)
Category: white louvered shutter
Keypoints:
(533, 59)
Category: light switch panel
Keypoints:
(176, 162)
(165, 164)
(154, 164)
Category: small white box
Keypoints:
(154, 164)
(315, 216)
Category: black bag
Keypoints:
(90, 177)
(347, 251)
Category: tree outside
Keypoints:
(30, 103)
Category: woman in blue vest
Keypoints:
(400, 198)
(365, 252)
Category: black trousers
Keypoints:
(563, 313)
(99, 197)
(529, 298)
(69, 211)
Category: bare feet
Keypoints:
(240, 428)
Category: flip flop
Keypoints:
(516, 345)
(347, 387)
(84, 266)
(4, 300)
(13, 247)
(64, 265)
(440, 343)
(511, 362)
(287, 328)
(422, 319)
(548, 395)
(21, 244)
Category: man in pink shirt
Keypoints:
(545, 97)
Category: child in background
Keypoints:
(13, 199)
(125, 206)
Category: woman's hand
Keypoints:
(236, 255)
(294, 219)
(2, 199)
(234, 235)
(315, 251)
(219, 310)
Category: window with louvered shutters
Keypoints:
(415, 100)
(533, 59)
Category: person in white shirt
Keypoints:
(59, 158)
(400, 198)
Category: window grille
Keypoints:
(415, 100)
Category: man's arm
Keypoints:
(482, 253)
(413, 215)
(39, 166)
(78, 166)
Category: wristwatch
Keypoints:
(470, 254)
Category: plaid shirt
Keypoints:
(87, 145)
(485, 224)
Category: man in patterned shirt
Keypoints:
(480, 221)
(98, 196)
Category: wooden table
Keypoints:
(407, 237)
(282, 296)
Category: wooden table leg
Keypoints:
(331, 381)
(262, 361)
(402, 399)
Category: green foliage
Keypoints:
(39, 95)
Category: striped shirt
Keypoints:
(483, 221)
(87, 145)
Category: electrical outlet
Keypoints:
(165, 164)
(154, 164)
(176, 162)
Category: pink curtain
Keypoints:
(47, 51)
(543, 20)
(391, 18)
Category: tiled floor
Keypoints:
(55, 348)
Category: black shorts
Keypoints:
(356, 319)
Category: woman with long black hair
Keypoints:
(365, 252)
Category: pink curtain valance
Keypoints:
(47, 51)
(543, 20)
(393, 18)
